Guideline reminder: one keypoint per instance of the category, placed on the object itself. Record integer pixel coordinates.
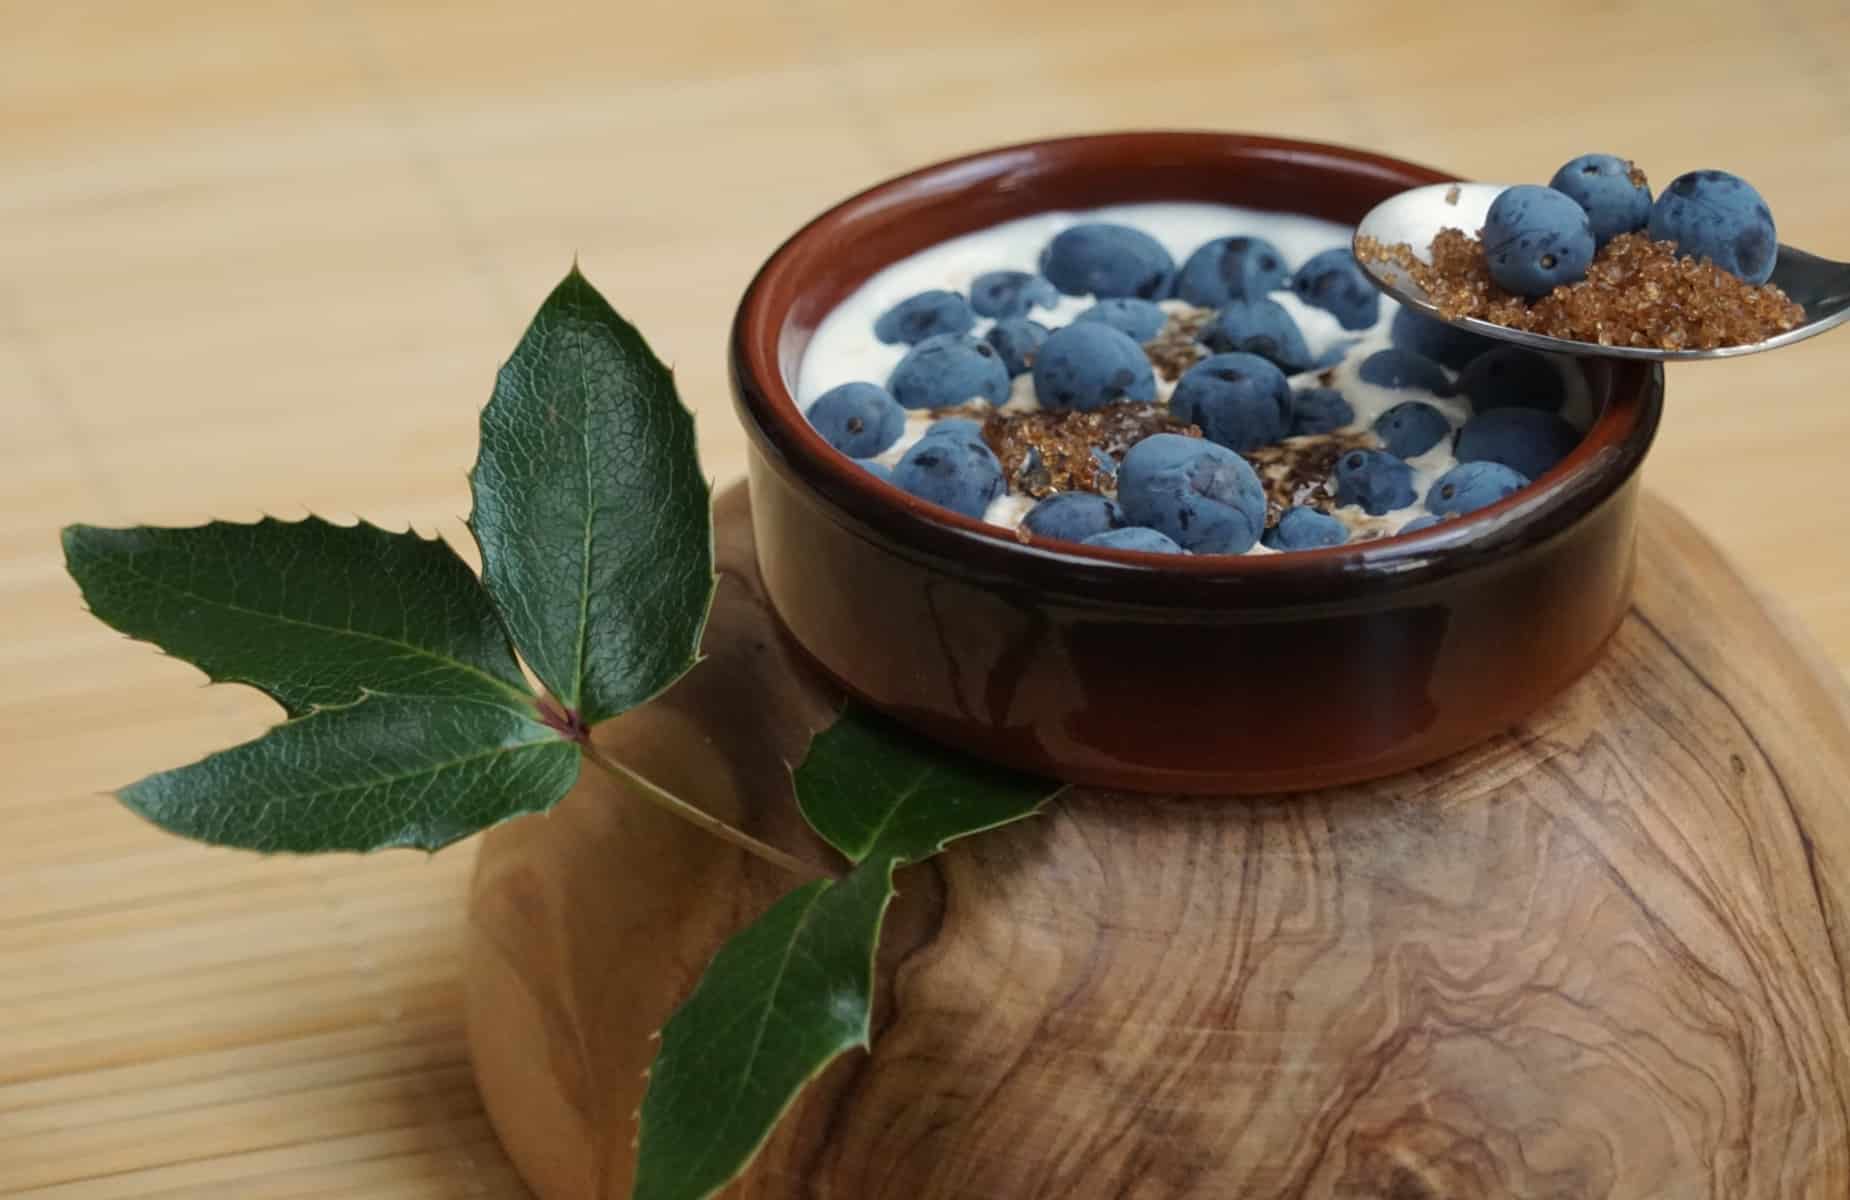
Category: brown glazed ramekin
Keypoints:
(1209, 674)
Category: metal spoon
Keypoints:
(1818, 285)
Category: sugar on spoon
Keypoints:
(1818, 285)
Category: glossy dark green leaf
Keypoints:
(385, 771)
(794, 991)
(779, 1002)
(312, 613)
(590, 508)
(874, 790)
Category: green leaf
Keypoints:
(312, 613)
(779, 1002)
(592, 515)
(874, 790)
(794, 991)
(384, 771)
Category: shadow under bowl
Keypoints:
(1210, 674)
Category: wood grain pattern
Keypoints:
(266, 257)
(1602, 956)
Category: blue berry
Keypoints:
(927, 314)
(1259, 327)
(1720, 217)
(859, 419)
(878, 470)
(958, 427)
(1204, 497)
(961, 475)
(1445, 344)
(1333, 282)
(1512, 377)
(1139, 320)
(948, 370)
(1526, 440)
(1017, 340)
(1231, 268)
(1090, 365)
(1470, 486)
(1377, 481)
(1305, 529)
(1419, 523)
(1135, 537)
(1319, 410)
(1602, 185)
(1395, 368)
(1536, 239)
(1411, 428)
(1240, 401)
(1073, 516)
(1002, 294)
(1107, 261)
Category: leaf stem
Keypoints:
(669, 802)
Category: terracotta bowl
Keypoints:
(1210, 674)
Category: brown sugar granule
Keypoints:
(1637, 293)
(1302, 470)
(1641, 293)
(1635, 174)
(1046, 452)
(1399, 254)
(1174, 349)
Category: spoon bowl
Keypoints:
(1818, 285)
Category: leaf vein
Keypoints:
(751, 1056)
(439, 661)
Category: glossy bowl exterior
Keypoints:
(1146, 672)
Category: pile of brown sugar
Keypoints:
(1046, 451)
(1637, 293)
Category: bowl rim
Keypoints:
(1607, 456)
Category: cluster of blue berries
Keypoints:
(1185, 494)
(1177, 493)
(1539, 238)
(1516, 431)
(1099, 358)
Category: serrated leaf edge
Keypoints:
(121, 796)
(574, 704)
(873, 842)
(69, 533)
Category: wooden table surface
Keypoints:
(266, 257)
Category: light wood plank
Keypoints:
(266, 258)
